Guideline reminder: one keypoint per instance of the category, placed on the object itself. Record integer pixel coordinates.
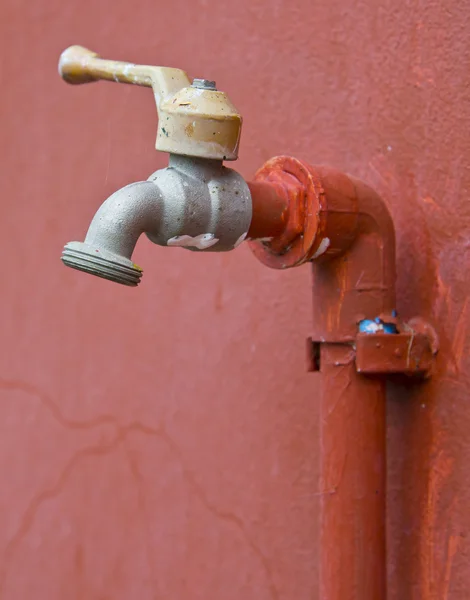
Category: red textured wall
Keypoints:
(163, 442)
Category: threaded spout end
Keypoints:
(101, 263)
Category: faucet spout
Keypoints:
(194, 203)
(113, 234)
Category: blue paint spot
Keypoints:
(368, 326)
(376, 325)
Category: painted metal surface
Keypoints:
(166, 445)
(353, 476)
(408, 353)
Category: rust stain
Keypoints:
(443, 296)
(342, 284)
(460, 336)
(430, 202)
(334, 309)
(452, 548)
(438, 541)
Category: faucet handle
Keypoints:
(193, 120)
(80, 65)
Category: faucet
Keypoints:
(196, 202)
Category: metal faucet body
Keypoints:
(194, 203)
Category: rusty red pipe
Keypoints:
(352, 479)
(344, 228)
(269, 210)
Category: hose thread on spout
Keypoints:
(101, 263)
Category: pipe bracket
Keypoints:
(410, 351)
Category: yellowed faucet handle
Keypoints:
(80, 65)
(193, 120)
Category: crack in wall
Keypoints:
(122, 432)
(52, 407)
(139, 481)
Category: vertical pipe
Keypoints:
(346, 230)
(353, 475)
(360, 283)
